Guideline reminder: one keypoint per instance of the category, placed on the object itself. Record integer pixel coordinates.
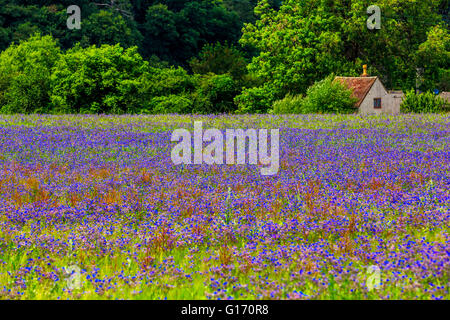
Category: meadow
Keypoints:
(100, 195)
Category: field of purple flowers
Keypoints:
(91, 207)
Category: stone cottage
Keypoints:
(373, 98)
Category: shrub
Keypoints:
(289, 105)
(171, 104)
(254, 100)
(170, 81)
(328, 96)
(426, 102)
(25, 72)
(109, 79)
(169, 90)
(215, 94)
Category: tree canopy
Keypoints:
(305, 40)
(227, 55)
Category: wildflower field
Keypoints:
(99, 196)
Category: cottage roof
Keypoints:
(360, 86)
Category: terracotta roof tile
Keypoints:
(360, 86)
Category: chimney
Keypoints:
(364, 71)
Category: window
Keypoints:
(377, 103)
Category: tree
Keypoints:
(215, 94)
(178, 30)
(105, 27)
(19, 22)
(245, 8)
(169, 90)
(175, 33)
(306, 40)
(25, 72)
(170, 81)
(122, 7)
(433, 57)
(160, 30)
(106, 79)
(391, 51)
(299, 43)
(220, 59)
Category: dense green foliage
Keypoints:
(220, 59)
(108, 79)
(288, 105)
(433, 57)
(211, 56)
(325, 96)
(25, 72)
(307, 39)
(175, 30)
(423, 103)
(36, 77)
(328, 96)
(215, 94)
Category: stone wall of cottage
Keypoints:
(390, 102)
